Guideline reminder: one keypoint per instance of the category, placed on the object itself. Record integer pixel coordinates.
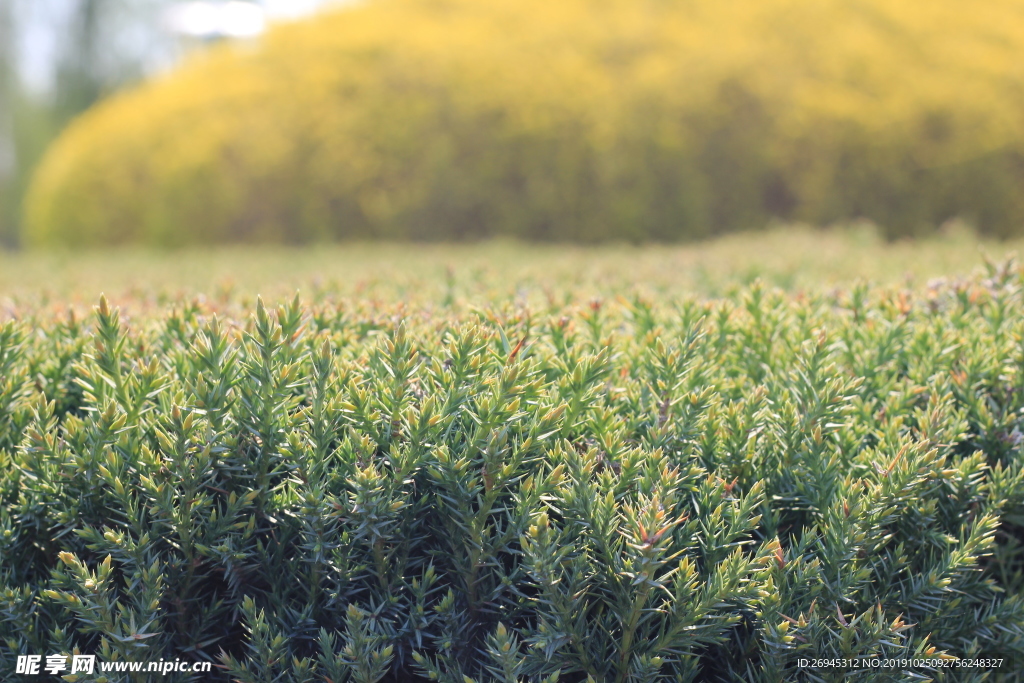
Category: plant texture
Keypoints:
(615, 491)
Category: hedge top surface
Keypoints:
(577, 120)
(792, 258)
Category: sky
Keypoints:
(141, 33)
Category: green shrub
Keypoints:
(579, 120)
(677, 490)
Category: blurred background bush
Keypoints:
(580, 120)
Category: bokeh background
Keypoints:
(170, 124)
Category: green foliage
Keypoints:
(585, 120)
(621, 491)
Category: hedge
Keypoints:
(631, 490)
(582, 120)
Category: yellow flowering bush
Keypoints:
(575, 120)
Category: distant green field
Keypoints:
(505, 464)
